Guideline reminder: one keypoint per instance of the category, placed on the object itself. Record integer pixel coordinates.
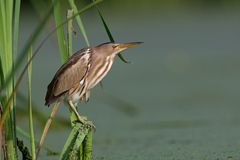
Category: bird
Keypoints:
(81, 72)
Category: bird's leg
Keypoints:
(83, 120)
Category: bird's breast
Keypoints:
(99, 70)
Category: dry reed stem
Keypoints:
(47, 126)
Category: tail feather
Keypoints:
(50, 98)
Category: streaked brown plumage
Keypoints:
(83, 71)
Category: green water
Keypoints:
(177, 100)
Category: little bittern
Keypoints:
(82, 72)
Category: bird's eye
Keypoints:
(114, 46)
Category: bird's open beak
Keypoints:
(130, 44)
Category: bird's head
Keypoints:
(115, 48)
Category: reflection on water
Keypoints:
(178, 99)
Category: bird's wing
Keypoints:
(71, 73)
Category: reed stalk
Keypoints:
(31, 130)
(6, 50)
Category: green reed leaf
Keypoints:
(60, 32)
(31, 130)
(70, 31)
(74, 141)
(110, 35)
(79, 21)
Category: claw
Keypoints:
(89, 124)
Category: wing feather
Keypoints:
(70, 73)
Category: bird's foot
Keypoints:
(89, 124)
(85, 122)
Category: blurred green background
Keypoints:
(178, 99)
